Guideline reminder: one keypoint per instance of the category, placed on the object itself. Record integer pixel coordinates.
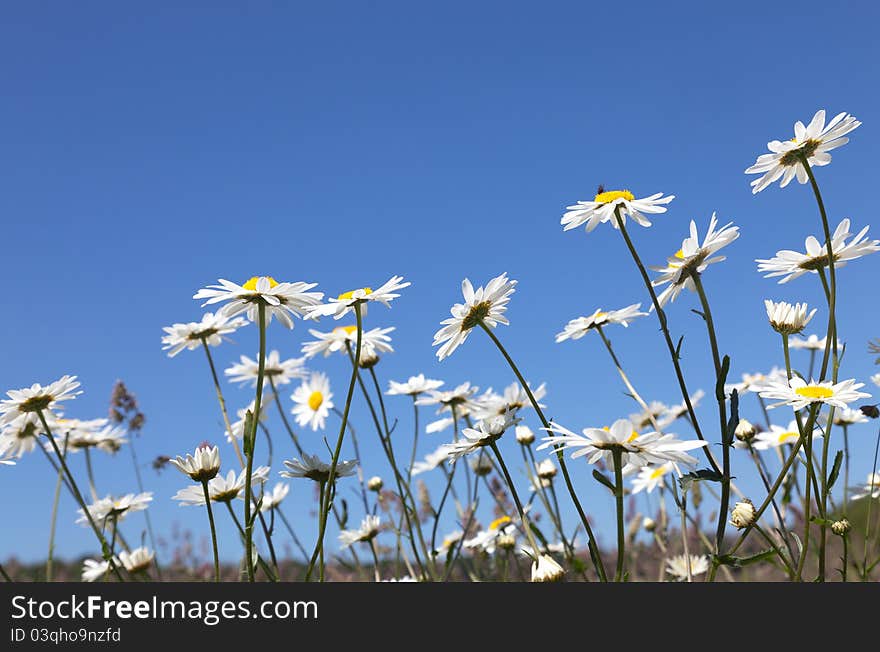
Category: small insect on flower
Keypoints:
(485, 305)
(281, 300)
(810, 145)
(608, 202)
(346, 302)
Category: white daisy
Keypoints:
(432, 461)
(811, 343)
(546, 469)
(486, 540)
(675, 412)
(870, 489)
(313, 468)
(271, 499)
(344, 338)
(486, 305)
(677, 566)
(791, 264)
(546, 569)
(811, 143)
(280, 371)
(449, 541)
(848, 417)
(604, 204)
(514, 398)
(798, 393)
(85, 434)
(368, 531)
(37, 398)
(211, 330)
(651, 477)
(202, 465)
(94, 569)
(786, 318)
(20, 435)
(524, 435)
(117, 508)
(487, 432)
(637, 450)
(693, 258)
(777, 436)
(413, 387)
(580, 326)
(345, 302)
(755, 382)
(222, 489)
(876, 379)
(461, 398)
(650, 416)
(280, 299)
(136, 560)
(312, 401)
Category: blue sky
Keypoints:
(149, 152)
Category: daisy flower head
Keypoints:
(78, 435)
(580, 326)
(368, 531)
(94, 569)
(786, 318)
(413, 387)
(482, 464)
(343, 339)
(651, 477)
(776, 436)
(211, 330)
(546, 569)
(486, 540)
(798, 393)
(677, 411)
(514, 398)
(345, 302)
(810, 144)
(459, 401)
(876, 379)
(791, 264)
(221, 489)
(19, 436)
(607, 202)
(201, 466)
(871, 488)
(848, 417)
(431, 461)
(313, 468)
(811, 343)
(37, 398)
(525, 435)
(449, 541)
(312, 401)
(677, 566)
(485, 305)
(279, 371)
(755, 382)
(115, 508)
(271, 499)
(693, 258)
(487, 432)
(281, 300)
(137, 560)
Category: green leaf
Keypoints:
(702, 475)
(821, 521)
(604, 480)
(697, 312)
(739, 562)
(835, 470)
(678, 348)
(343, 517)
(734, 419)
(537, 532)
(722, 379)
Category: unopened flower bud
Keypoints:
(375, 483)
(743, 514)
(745, 431)
(524, 435)
(547, 470)
(368, 360)
(545, 569)
(649, 524)
(505, 541)
(841, 527)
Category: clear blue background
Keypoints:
(148, 151)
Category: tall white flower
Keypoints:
(791, 264)
(811, 343)
(484, 305)
(19, 436)
(137, 560)
(280, 299)
(811, 144)
(313, 468)
(776, 436)
(580, 326)
(280, 371)
(651, 477)
(237, 427)
(222, 489)
(344, 338)
(755, 382)
(312, 401)
(367, 531)
(602, 208)
(487, 432)
(848, 417)
(786, 318)
(693, 258)
(799, 394)
(413, 387)
(514, 398)
(94, 569)
(677, 566)
(345, 302)
(212, 329)
(202, 465)
(115, 508)
(546, 569)
(459, 400)
(871, 488)
(271, 499)
(432, 461)
(37, 398)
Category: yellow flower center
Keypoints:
(251, 283)
(633, 436)
(599, 315)
(659, 472)
(787, 436)
(613, 195)
(315, 400)
(814, 391)
(679, 254)
(349, 330)
(498, 522)
(350, 295)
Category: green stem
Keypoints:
(222, 402)
(845, 469)
(376, 573)
(595, 554)
(870, 504)
(412, 457)
(629, 386)
(617, 456)
(213, 530)
(845, 559)
(5, 575)
(54, 520)
(251, 445)
(90, 474)
(140, 484)
(292, 534)
(527, 528)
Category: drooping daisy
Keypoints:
(811, 144)
(312, 401)
(788, 319)
(368, 531)
(271, 499)
(798, 393)
(487, 432)
(677, 566)
(222, 489)
(202, 465)
(280, 299)
(136, 560)
(777, 436)
(637, 450)
(413, 387)
(212, 330)
(115, 508)
(484, 305)
(37, 398)
(432, 461)
(651, 477)
(604, 205)
(313, 468)
(343, 339)
(94, 569)
(345, 302)
(693, 258)
(546, 469)
(280, 371)
(791, 264)
(580, 326)
(871, 488)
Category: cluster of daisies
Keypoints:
(640, 447)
